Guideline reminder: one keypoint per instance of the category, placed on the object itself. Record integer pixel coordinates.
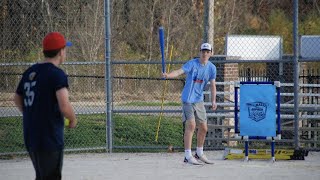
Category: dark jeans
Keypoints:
(47, 164)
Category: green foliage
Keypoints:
(280, 24)
(125, 51)
(310, 24)
(34, 55)
(249, 30)
(11, 56)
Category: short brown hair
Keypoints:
(51, 53)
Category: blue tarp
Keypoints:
(258, 110)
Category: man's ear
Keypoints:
(63, 50)
(60, 52)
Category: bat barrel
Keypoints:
(161, 41)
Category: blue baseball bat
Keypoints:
(161, 40)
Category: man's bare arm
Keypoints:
(213, 94)
(65, 106)
(18, 101)
(173, 74)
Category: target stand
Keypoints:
(259, 109)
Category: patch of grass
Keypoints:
(90, 132)
(128, 130)
(135, 130)
(11, 135)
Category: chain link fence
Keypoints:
(252, 40)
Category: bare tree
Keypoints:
(89, 31)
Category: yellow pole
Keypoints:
(163, 95)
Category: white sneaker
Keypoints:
(203, 158)
(192, 160)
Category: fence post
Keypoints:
(208, 35)
(296, 73)
(108, 74)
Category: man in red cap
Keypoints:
(43, 98)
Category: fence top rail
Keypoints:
(214, 59)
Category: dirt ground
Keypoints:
(167, 166)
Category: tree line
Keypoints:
(134, 26)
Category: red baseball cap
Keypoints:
(54, 41)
